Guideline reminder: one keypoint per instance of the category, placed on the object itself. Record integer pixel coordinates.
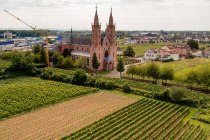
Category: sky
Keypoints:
(128, 14)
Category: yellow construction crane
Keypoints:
(34, 28)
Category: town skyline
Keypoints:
(138, 15)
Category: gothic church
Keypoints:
(104, 47)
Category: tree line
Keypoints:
(154, 72)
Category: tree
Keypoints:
(205, 77)
(50, 41)
(120, 66)
(177, 93)
(80, 62)
(36, 58)
(193, 44)
(142, 71)
(167, 74)
(60, 60)
(22, 64)
(79, 77)
(129, 52)
(126, 88)
(192, 78)
(37, 48)
(66, 52)
(68, 62)
(153, 72)
(95, 63)
(55, 58)
(43, 58)
(132, 70)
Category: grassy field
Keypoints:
(141, 48)
(145, 119)
(27, 93)
(182, 67)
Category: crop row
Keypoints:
(25, 95)
(145, 119)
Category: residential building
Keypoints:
(152, 54)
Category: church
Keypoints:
(105, 47)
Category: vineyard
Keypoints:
(145, 119)
(23, 94)
(59, 120)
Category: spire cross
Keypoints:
(96, 7)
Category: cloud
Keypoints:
(33, 3)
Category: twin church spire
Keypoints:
(96, 30)
(96, 19)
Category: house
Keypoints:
(119, 51)
(206, 53)
(182, 51)
(105, 48)
(152, 54)
(198, 54)
(173, 57)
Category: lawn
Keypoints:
(27, 93)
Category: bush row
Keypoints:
(80, 78)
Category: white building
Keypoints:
(175, 57)
(151, 54)
(6, 45)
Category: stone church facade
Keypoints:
(104, 47)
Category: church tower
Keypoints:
(96, 31)
(110, 30)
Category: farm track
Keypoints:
(61, 119)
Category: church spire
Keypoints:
(71, 37)
(96, 21)
(111, 18)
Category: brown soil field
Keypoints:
(61, 119)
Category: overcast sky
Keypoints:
(128, 14)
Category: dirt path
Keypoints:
(62, 119)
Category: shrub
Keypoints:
(110, 86)
(177, 93)
(90, 82)
(68, 62)
(45, 74)
(79, 77)
(126, 88)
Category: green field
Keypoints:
(27, 93)
(145, 119)
(139, 49)
(182, 67)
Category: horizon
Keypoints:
(138, 15)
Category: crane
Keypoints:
(34, 28)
